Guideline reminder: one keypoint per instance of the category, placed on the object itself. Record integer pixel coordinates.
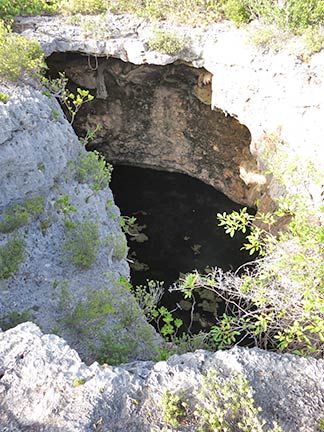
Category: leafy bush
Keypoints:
(118, 243)
(186, 11)
(294, 15)
(166, 42)
(314, 40)
(174, 408)
(217, 405)
(82, 6)
(71, 101)
(4, 98)
(228, 406)
(278, 302)
(90, 315)
(12, 8)
(82, 244)
(12, 319)
(92, 168)
(18, 55)
(14, 218)
(12, 254)
(19, 215)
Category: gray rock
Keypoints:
(39, 393)
(268, 92)
(39, 153)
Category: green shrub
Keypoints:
(293, 15)
(18, 55)
(9, 9)
(174, 408)
(71, 101)
(63, 205)
(278, 303)
(19, 215)
(83, 6)
(13, 319)
(78, 382)
(185, 11)
(12, 254)
(228, 406)
(93, 169)
(14, 218)
(238, 11)
(82, 244)
(116, 347)
(166, 42)
(4, 98)
(269, 38)
(34, 206)
(118, 243)
(314, 40)
(217, 405)
(90, 315)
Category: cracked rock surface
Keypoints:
(38, 390)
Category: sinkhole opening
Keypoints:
(176, 232)
(161, 118)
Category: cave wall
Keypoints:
(160, 117)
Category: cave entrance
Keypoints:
(160, 117)
(177, 231)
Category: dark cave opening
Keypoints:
(178, 232)
(159, 118)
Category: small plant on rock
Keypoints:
(71, 101)
(12, 319)
(90, 315)
(228, 406)
(18, 216)
(174, 407)
(82, 244)
(93, 169)
(4, 98)
(12, 254)
(9, 9)
(118, 243)
(166, 42)
(18, 55)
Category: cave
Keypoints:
(161, 117)
(176, 231)
(177, 163)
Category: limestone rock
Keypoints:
(265, 91)
(45, 387)
(39, 156)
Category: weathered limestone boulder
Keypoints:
(43, 164)
(44, 386)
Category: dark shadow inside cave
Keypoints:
(160, 117)
(177, 215)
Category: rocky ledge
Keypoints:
(269, 92)
(44, 386)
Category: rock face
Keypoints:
(157, 117)
(42, 159)
(39, 391)
(44, 386)
(267, 92)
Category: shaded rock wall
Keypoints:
(267, 92)
(160, 117)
